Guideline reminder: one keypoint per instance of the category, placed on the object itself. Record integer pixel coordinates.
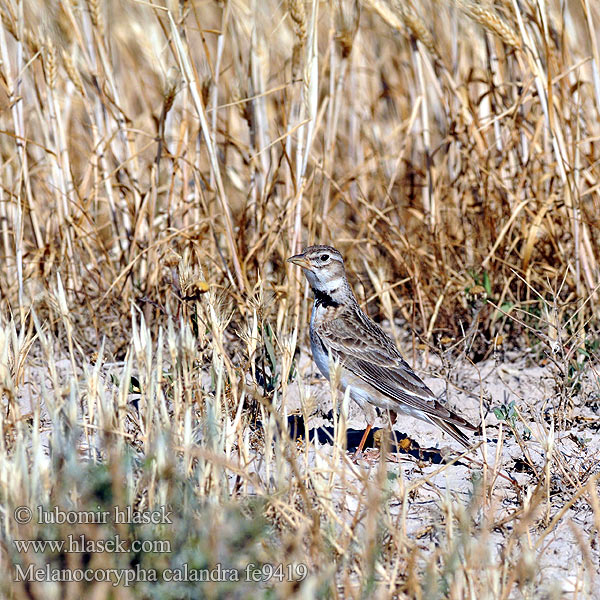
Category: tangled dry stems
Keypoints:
(160, 162)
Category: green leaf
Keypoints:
(487, 284)
(268, 335)
(500, 414)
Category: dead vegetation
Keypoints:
(159, 163)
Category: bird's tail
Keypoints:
(451, 430)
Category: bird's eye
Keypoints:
(324, 257)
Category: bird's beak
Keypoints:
(299, 260)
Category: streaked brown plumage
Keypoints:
(371, 364)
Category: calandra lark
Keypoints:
(370, 362)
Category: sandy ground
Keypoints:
(569, 552)
(567, 556)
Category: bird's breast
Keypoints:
(320, 355)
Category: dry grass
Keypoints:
(159, 163)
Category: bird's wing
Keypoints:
(363, 348)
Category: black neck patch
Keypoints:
(324, 299)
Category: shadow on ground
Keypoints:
(399, 442)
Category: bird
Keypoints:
(370, 363)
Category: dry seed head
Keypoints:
(298, 14)
(72, 72)
(8, 23)
(488, 18)
(171, 85)
(8, 19)
(184, 277)
(50, 63)
(31, 41)
(191, 281)
(416, 26)
(169, 96)
(96, 15)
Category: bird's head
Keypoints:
(324, 269)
